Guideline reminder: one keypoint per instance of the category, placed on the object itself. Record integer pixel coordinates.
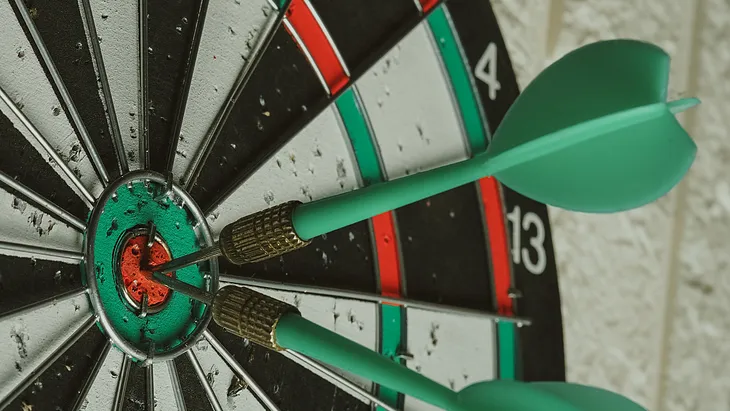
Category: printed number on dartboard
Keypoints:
(486, 70)
(528, 240)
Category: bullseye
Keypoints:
(144, 319)
(135, 281)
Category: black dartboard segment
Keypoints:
(21, 161)
(194, 395)
(170, 30)
(24, 281)
(443, 250)
(63, 34)
(134, 397)
(342, 259)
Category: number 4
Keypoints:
(486, 70)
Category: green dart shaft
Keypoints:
(319, 217)
(279, 326)
(303, 336)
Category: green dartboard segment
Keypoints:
(458, 73)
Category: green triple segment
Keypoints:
(390, 341)
(460, 79)
(361, 141)
(281, 4)
(463, 89)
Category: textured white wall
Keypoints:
(646, 293)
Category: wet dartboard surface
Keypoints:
(195, 113)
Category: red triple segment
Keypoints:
(497, 232)
(386, 245)
(307, 30)
(427, 5)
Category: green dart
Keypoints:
(279, 326)
(611, 143)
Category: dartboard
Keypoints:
(194, 113)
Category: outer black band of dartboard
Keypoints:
(540, 346)
(166, 69)
(57, 387)
(62, 31)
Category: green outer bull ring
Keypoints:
(204, 237)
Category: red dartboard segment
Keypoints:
(427, 5)
(386, 245)
(311, 36)
(497, 231)
(138, 281)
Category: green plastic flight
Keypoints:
(298, 334)
(540, 396)
(593, 133)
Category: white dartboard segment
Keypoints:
(24, 80)
(165, 398)
(36, 335)
(230, 33)
(454, 352)
(316, 163)
(101, 394)
(116, 25)
(24, 223)
(408, 100)
(229, 390)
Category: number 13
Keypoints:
(521, 255)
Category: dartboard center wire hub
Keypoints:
(144, 319)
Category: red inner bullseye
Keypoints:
(137, 281)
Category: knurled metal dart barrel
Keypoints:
(256, 237)
(250, 314)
